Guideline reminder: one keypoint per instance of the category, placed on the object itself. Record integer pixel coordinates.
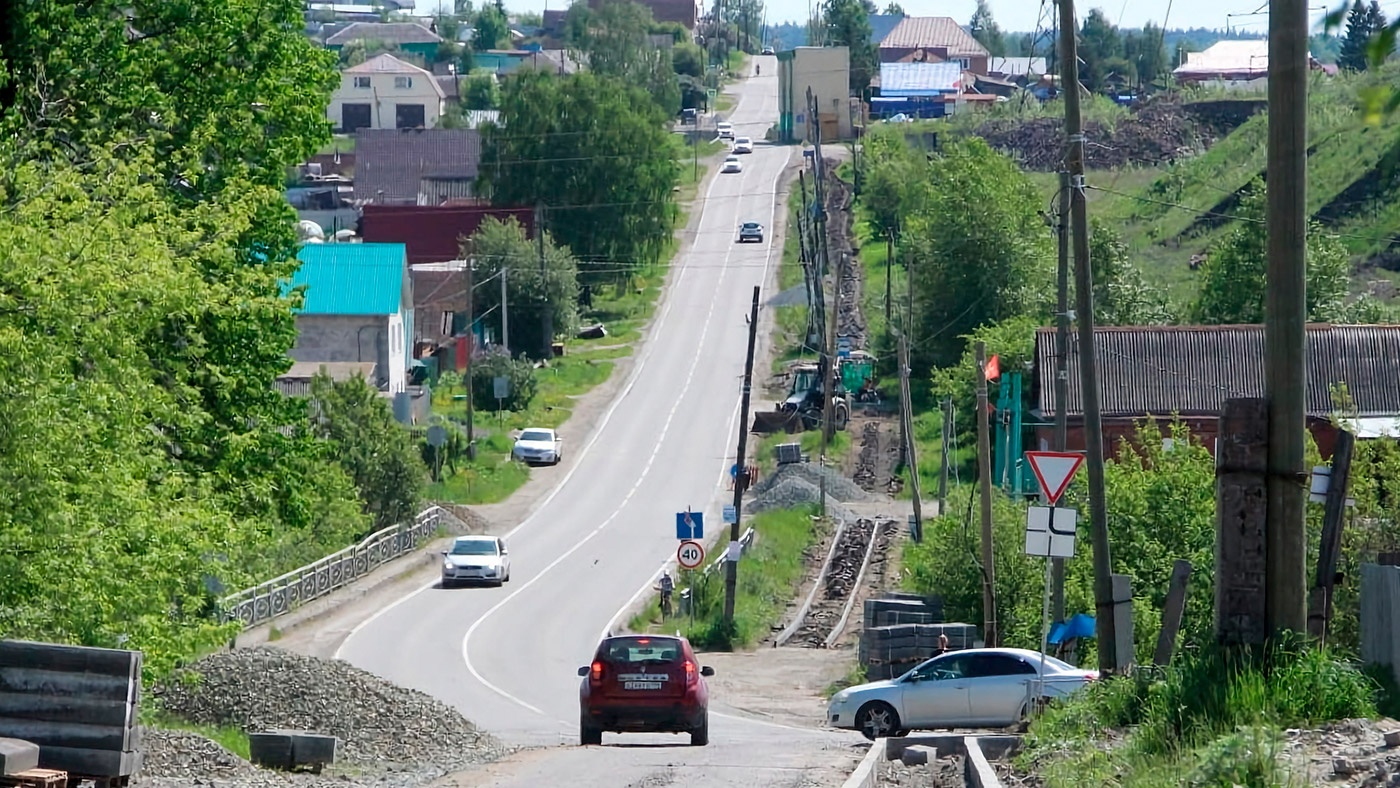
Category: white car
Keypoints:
(538, 445)
(743, 145)
(725, 130)
(972, 688)
(732, 164)
(476, 559)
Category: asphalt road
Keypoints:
(507, 657)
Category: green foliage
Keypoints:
(532, 293)
(688, 59)
(847, 23)
(594, 152)
(1013, 340)
(376, 452)
(617, 45)
(1211, 719)
(978, 266)
(1100, 49)
(520, 375)
(1232, 279)
(1121, 296)
(895, 178)
(481, 91)
(492, 29)
(986, 30)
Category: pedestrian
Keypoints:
(942, 643)
(667, 585)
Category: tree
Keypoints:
(979, 250)
(497, 246)
(376, 452)
(594, 153)
(481, 91)
(1101, 49)
(1144, 50)
(617, 44)
(895, 9)
(893, 180)
(1232, 278)
(521, 384)
(1121, 296)
(688, 59)
(491, 30)
(1376, 24)
(985, 29)
(1356, 39)
(847, 23)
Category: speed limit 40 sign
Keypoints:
(690, 554)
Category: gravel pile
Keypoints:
(837, 486)
(938, 773)
(376, 722)
(185, 756)
(795, 491)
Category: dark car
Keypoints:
(750, 231)
(644, 684)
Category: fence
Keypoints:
(266, 601)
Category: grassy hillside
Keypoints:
(1171, 212)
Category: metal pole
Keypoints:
(505, 311)
(1057, 598)
(984, 479)
(907, 415)
(1088, 367)
(947, 447)
(546, 313)
(889, 262)
(1285, 317)
(741, 479)
(471, 347)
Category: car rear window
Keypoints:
(642, 651)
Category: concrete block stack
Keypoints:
(902, 630)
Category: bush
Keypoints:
(520, 374)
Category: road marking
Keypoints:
(649, 348)
(656, 448)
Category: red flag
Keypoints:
(992, 370)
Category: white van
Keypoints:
(725, 129)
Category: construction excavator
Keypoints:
(803, 408)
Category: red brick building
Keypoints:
(1189, 371)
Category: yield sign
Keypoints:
(1054, 469)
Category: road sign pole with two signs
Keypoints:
(1050, 530)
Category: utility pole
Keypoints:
(1285, 317)
(889, 263)
(906, 412)
(947, 448)
(505, 311)
(1106, 633)
(984, 481)
(546, 314)
(471, 349)
(828, 371)
(1057, 565)
(741, 479)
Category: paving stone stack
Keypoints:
(902, 630)
(79, 704)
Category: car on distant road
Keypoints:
(767, 50)
(971, 688)
(476, 559)
(536, 444)
(644, 684)
(750, 231)
(725, 130)
(743, 145)
(732, 164)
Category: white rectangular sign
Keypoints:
(736, 549)
(731, 515)
(1050, 531)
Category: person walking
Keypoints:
(666, 586)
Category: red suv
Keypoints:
(644, 683)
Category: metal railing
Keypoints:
(684, 595)
(270, 599)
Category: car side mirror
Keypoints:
(583, 671)
(707, 671)
(444, 552)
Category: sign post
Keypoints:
(1050, 531)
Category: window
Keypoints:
(644, 651)
(475, 547)
(963, 63)
(447, 317)
(998, 665)
(403, 83)
(362, 82)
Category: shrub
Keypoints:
(520, 374)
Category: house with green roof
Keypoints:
(357, 308)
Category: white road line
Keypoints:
(709, 318)
(649, 347)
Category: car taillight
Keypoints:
(595, 676)
(690, 672)
(1091, 676)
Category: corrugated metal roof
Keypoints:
(881, 25)
(391, 163)
(919, 79)
(1194, 369)
(1016, 66)
(433, 233)
(387, 32)
(932, 32)
(351, 279)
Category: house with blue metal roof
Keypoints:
(357, 307)
(916, 90)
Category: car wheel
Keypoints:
(446, 583)
(700, 736)
(587, 734)
(877, 720)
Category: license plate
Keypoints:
(641, 685)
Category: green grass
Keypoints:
(769, 576)
(1213, 719)
(230, 738)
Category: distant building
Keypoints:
(385, 93)
(416, 166)
(826, 72)
(1230, 64)
(409, 37)
(934, 39)
(916, 90)
(685, 12)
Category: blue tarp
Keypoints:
(1081, 626)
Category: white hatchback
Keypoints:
(732, 164)
(476, 559)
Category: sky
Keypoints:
(1022, 15)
